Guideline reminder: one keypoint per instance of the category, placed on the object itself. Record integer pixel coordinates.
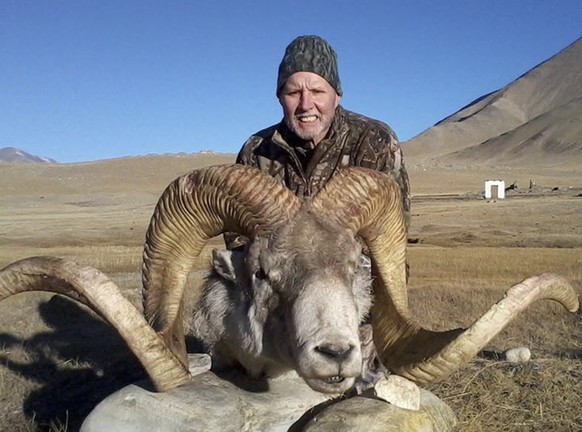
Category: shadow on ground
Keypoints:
(76, 364)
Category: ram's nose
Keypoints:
(338, 352)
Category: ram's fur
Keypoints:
(292, 301)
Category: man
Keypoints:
(317, 136)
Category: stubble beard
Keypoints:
(295, 126)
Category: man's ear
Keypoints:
(222, 264)
(338, 99)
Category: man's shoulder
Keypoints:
(259, 144)
(369, 132)
(360, 123)
(261, 136)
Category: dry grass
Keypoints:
(452, 286)
(54, 368)
(542, 395)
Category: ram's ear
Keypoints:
(223, 265)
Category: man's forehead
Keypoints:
(306, 79)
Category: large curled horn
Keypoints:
(92, 288)
(192, 209)
(370, 204)
(469, 342)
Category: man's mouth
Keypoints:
(307, 119)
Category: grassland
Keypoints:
(57, 360)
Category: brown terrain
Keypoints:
(533, 121)
(57, 359)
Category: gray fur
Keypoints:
(293, 301)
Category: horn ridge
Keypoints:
(192, 209)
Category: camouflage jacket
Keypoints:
(353, 140)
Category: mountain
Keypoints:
(14, 155)
(535, 120)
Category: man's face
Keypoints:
(309, 104)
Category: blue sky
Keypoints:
(88, 80)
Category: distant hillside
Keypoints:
(535, 120)
(14, 155)
(141, 174)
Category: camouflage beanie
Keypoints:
(309, 54)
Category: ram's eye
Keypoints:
(260, 274)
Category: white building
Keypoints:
(497, 184)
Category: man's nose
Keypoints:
(306, 101)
